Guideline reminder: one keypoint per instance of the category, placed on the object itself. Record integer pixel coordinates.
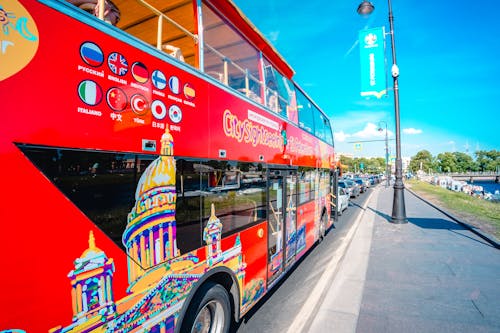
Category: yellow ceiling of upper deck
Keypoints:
(139, 21)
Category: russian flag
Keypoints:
(140, 72)
(90, 92)
(91, 54)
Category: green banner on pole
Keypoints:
(373, 66)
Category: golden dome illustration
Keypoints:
(161, 172)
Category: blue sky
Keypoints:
(449, 62)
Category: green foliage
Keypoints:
(370, 165)
(447, 162)
(455, 162)
(465, 162)
(488, 160)
(422, 161)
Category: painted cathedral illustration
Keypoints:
(159, 277)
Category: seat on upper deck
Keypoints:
(111, 11)
(174, 51)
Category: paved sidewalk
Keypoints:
(429, 275)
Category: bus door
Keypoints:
(282, 231)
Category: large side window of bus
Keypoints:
(229, 57)
(307, 179)
(188, 205)
(322, 127)
(319, 124)
(238, 192)
(101, 184)
(278, 90)
(324, 182)
(306, 112)
(328, 132)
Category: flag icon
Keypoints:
(158, 109)
(159, 79)
(139, 104)
(140, 72)
(189, 91)
(91, 54)
(90, 92)
(117, 99)
(118, 64)
(175, 114)
(173, 84)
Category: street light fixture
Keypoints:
(387, 172)
(398, 203)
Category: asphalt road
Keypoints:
(276, 311)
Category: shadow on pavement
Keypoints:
(434, 223)
(379, 213)
(442, 224)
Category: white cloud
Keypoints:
(340, 136)
(412, 131)
(371, 130)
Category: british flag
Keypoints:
(118, 64)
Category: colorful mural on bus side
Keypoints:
(89, 90)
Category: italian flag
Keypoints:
(90, 92)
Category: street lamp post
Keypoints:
(398, 203)
(387, 173)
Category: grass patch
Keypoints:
(461, 204)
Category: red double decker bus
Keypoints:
(161, 169)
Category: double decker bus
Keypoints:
(161, 169)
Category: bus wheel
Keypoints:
(210, 311)
(322, 227)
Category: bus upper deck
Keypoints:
(214, 37)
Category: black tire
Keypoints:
(322, 227)
(210, 307)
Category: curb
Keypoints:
(487, 237)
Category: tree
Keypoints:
(465, 162)
(344, 160)
(370, 165)
(488, 160)
(423, 160)
(447, 162)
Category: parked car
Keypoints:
(361, 183)
(353, 187)
(343, 200)
(343, 184)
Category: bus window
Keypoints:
(277, 90)
(306, 184)
(319, 124)
(101, 184)
(238, 192)
(187, 213)
(328, 132)
(229, 57)
(306, 112)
